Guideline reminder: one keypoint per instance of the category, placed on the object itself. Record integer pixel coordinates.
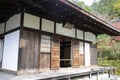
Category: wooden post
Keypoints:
(109, 73)
(97, 75)
(102, 71)
(90, 75)
(69, 78)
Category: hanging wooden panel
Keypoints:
(82, 55)
(82, 61)
(93, 54)
(29, 52)
(75, 50)
(55, 53)
(44, 60)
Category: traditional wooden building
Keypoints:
(42, 35)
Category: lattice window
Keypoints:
(45, 43)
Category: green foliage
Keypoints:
(110, 53)
(103, 44)
(116, 8)
(115, 51)
(102, 37)
(112, 63)
(107, 51)
(104, 6)
(110, 8)
(82, 5)
(106, 54)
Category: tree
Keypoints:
(102, 44)
(82, 5)
(116, 8)
(105, 8)
(115, 50)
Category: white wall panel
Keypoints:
(87, 54)
(64, 31)
(13, 22)
(47, 25)
(2, 27)
(90, 37)
(79, 34)
(10, 52)
(31, 21)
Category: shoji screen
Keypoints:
(87, 54)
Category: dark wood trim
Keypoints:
(15, 29)
(84, 46)
(51, 50)
(2, 53)
(45, 52)
(2, 35)
(21, 29)
(5, 28)
(40, 24)
(44, 32)
(19, 55)
(76, 33)
(22, 19)
(30, 29)
(9, 71)
(39, 48)
(54, 27)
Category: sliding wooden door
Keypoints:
(55, 53)
(75, 51)
(93, 54)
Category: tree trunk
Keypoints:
(100, 56)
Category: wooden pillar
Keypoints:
(90, 75)
(109, 73)
(69, 78)
(97, 76)
(113, 71)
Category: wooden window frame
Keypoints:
(45, 35)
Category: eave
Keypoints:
(61, 11)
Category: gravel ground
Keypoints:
(101, 77)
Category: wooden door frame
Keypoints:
(73, 53)
(70, 51)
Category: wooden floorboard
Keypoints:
(57, 74)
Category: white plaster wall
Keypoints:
(31, 21)
(79, 34)
(90, 37)
(87, 54)
(10, 52)
(47, 25)
(1, 50)
(13, 22)
(2, 26)
(81, 48)
(64, 31)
